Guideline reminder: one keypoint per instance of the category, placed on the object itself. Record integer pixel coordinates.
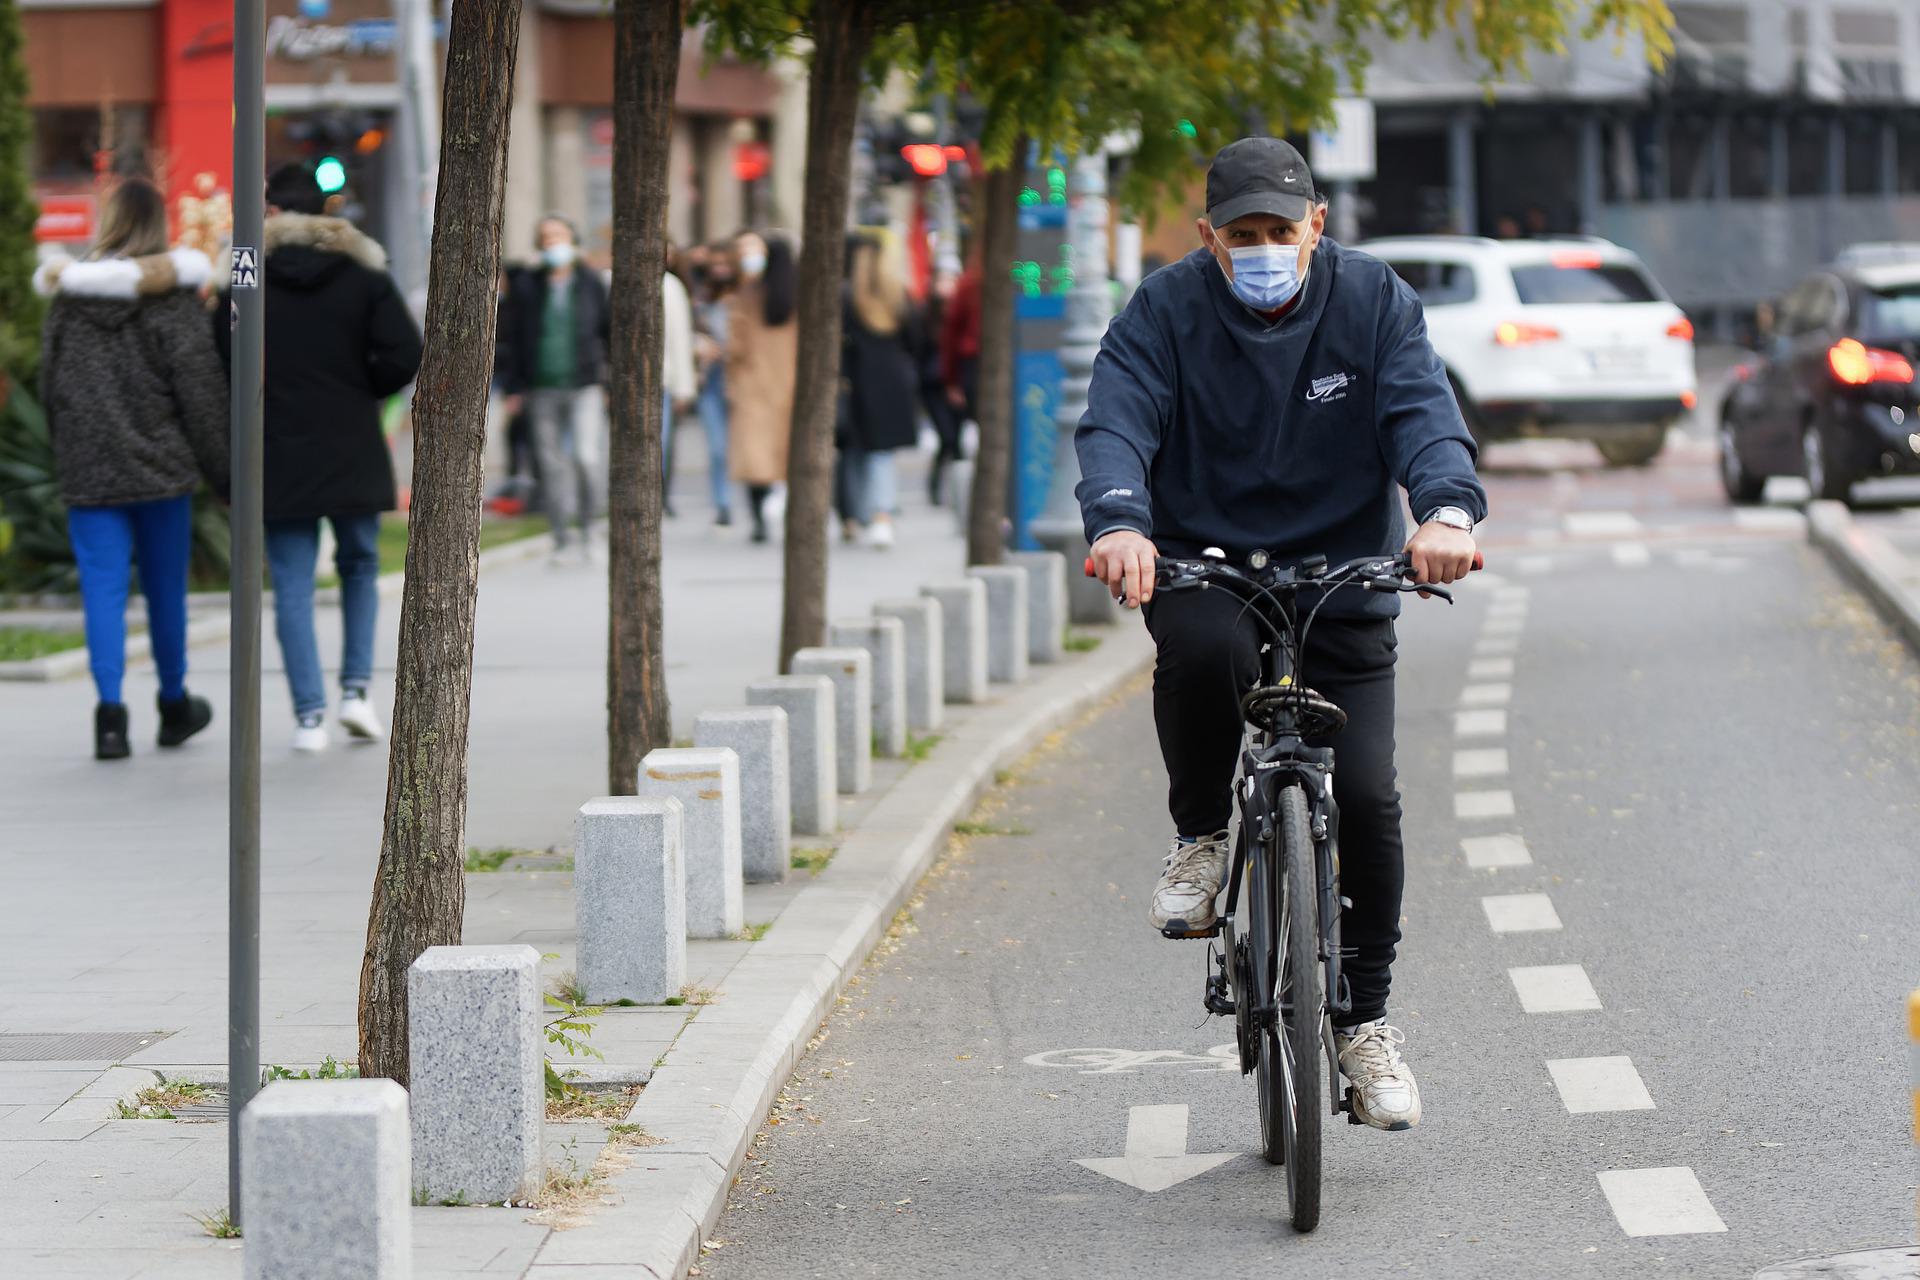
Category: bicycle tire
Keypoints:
(1295, 1043)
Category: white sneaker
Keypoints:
(880, 534)
(358, 718)
(1384, 1094)
(310, 733)
(1183, 900)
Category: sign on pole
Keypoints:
(1344, 153)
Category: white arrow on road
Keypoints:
(1156, 1151)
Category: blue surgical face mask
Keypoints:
(1266, 276)
(559, 255)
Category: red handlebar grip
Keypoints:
(1087, 568)
(1479, 559)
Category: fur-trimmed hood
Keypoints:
(306, 231)
(123, 279)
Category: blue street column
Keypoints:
(1462, 181)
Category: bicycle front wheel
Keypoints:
(1285, 938)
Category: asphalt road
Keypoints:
(1711, 747)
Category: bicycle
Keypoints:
(1278, 972)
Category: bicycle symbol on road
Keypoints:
(1114, 1062)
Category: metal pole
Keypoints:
(243, 765)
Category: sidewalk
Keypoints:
(115, 918)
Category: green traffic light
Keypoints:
(1186, 130)
(330, 174)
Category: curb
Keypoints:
(1871, 563)
(719, 1080)
(215, 627)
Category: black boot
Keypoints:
(110, 731)
(182, 718)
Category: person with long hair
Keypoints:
(880, 382)
(710, 344)
(762, 347)
(136, 403)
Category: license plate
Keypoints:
(1618, 360)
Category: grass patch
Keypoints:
(1082, 642)
(753, 932)
(919, 745)
(218, 1224)
(158, 1101)
(593, 1104)
(479, 860)
(567, 987)
(692, 995)
(23, 644)
(330, 1069)
(494, 531)
(631, 1135)
(813, 858)
(974, 827)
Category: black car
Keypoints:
(1832, 395)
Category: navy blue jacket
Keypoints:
(1208, 426)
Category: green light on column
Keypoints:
(330, 174)
(1186, 130)
(1056, 186)
(1028, 197)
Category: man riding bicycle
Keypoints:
(1273, 391)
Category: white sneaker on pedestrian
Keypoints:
(310, 733)
(1183, 900)
(880, 534)
(358, 718)
(1384, 1094)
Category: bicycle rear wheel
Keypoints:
(1285, 941)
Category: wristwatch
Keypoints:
(1453, 517)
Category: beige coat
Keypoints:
(760, 373)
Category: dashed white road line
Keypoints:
(1490, 669)
(1770, 518)
(1484, 852)
(1659, 1202)
(1600, 524)
(1534, 564)
(1496, 645)
(1483, 762)
(1486, 695)
(1504, 624)
(1520, 912)
(1632, 555)
(1483, 804)
(1554, 988)
(1588, 1085)
(1489, 722)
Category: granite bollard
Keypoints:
(477, 1075)
(328, 1189)
(1007, 639)
(963, 638)
(925, 674)
(1046, 603)
(851, 671)
(706, 782)
(884, 639)
(758, 735)
(629, 899)
(812, 775)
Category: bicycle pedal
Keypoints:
(1181, 934)
(1346, 1105)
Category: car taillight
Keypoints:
(1689, 399)
(1514, 334)
(1681, 329)
(1857, 364)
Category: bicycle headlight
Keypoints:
(1258, 561)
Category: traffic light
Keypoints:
(331, 174)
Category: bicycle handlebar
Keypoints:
(1370, 573)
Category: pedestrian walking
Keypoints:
(680, 385)
(136, 404)
(880, 380)
(960, 353)
(715, 282)
(762, 343)
(340, 340)
(947, 417)
(557, 370)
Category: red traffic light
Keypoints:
(927, 159)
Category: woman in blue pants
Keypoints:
(136, 403)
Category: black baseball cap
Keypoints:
(1258, 175)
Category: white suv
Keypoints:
(1563, 337)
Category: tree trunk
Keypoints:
(993, 463)
(842, 33)
(646, 65)
(418, 894)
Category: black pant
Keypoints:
(1206, 660)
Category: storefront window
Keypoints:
(66, 141)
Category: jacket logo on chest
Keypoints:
(1332, 387)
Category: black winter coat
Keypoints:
(519, 336)
(135, 398)
(880, 398)
(339, 341)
